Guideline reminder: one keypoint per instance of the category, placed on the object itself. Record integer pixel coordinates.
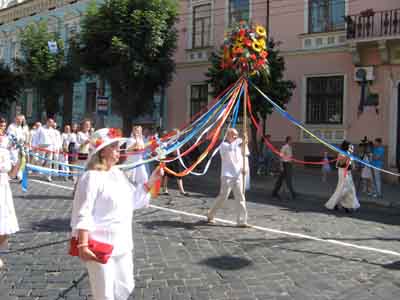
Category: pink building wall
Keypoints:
(289, 25)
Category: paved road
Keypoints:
(179, 257)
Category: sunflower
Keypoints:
(262, 43)
(261, 31)
(257, 46)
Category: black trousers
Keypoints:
(285, 175)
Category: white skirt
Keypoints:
(8, 218)
(345, 193)
(138, 175)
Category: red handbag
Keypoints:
(101, 250)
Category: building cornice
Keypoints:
(30, 8)
(197, 64)
(341, 49)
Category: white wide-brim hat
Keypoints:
(102, 138)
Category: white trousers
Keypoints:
(113, 280)
(227, 185)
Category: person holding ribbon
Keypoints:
(232, 174)
(345, 194)
(8, 218)
(135, 144)
(103, 205)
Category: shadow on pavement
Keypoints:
(305, 202)
(52, 225)
(37, 246)
(46, 197)
(393, 266)
(226, 262)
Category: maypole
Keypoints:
(245, 137)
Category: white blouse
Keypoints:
(103, 204)
(81, 138)
(232, 158)
(5, 165)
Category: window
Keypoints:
(201, 26)
(325, 100)
(238, 10)
(198, 98)
(91, 90)
(326, 15)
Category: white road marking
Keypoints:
(265, 229)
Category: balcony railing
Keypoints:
(30, 8)
(371, 24)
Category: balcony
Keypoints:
(372, 25)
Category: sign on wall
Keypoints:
(102, 105)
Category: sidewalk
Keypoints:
(308, 183)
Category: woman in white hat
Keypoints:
(104, 201)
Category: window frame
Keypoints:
(203, 31)
(200, 99)
(230, 13)
(330, 26)
(308, 118)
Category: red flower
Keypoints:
(261, 62)
(253, 57)
(242, 32)
(264, 54)
(248, 43)
(114, 133)
(98, 142)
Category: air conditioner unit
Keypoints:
(364, 73)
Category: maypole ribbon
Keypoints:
(321, 140)
(212, 143)
(273, 148)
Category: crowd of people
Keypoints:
(105, 197)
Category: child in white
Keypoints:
(8, 218)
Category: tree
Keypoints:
(10, 87)
(130, 44)
(273, 85)
(43, 68)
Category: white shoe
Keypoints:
(49, 179)
(1, 264)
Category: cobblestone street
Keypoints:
(178, 256)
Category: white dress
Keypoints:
(138, 175)
(345, 193)
(103, 205)
(8, 218)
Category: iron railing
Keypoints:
(373, 24)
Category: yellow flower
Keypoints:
(238, 45)
(261, 31)
(262, 43)
(257, 46)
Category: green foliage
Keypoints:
(130, 43)
(10, 87)
(42, 69)
(273, 85)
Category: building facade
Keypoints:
(335, 51)
(63, 17)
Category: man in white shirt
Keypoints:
(232, 173)
(20, 131)
(33, 143)
(286, 170)
(49, 140)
